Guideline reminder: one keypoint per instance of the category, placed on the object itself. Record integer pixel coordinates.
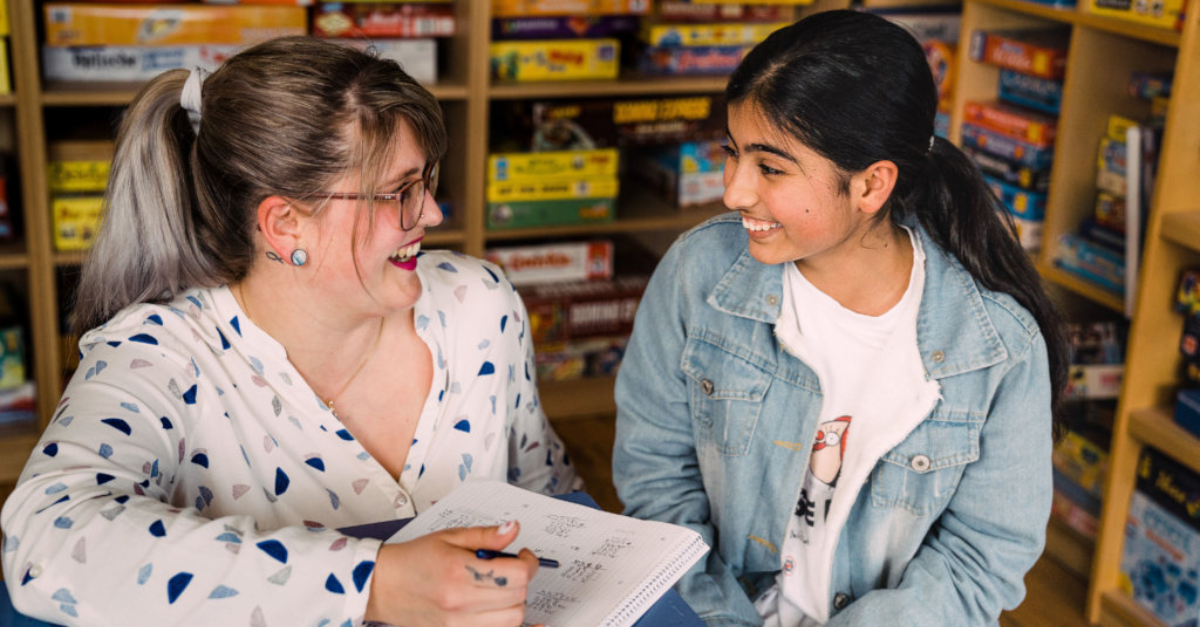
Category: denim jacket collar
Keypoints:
(950, 343)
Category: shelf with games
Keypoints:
(629, 84)
(98, 94)
(1102, 53)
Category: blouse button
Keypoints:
(401, 500)
(707, 386)
(772, 300)
(920, 463)
(938, 356)
(35, 570)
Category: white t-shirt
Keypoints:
(190, 476)
(842, 347)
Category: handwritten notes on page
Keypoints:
(612, 567)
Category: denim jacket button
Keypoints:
(707, 386)
(840, 601)
(938, 356)
(920, 463)
(772, 300)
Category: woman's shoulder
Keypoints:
(188, 319)
(457, 278)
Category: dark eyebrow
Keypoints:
(767, 148)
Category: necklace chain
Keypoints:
(328, 400)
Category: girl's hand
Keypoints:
(437, 581)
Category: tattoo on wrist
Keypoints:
(274, 256)
(488, 576)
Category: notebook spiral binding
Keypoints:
(632, 607)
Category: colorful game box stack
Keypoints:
(549, 40)
(1187, 303)
(77, 174)
(696, 38)
(580, 328)
(1160, 561)
(405, 31)
(937, 28)
(534, 189)
(1011, 138)
(98, 41)
(674, 143)
(577, 312)
(1106, 248)
(1081, 455)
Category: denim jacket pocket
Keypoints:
(725, 393)
(922, 472)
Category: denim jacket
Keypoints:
(715, 422)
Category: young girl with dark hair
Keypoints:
(849, 386)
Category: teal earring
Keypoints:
(299, 257)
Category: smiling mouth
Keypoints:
(406, 253)
(752, 224)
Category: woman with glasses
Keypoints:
(267, 357)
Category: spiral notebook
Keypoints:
(612, 567)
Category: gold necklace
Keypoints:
(329, 399)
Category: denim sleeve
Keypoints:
(655, 466)
(972, 564)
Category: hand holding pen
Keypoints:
(487, 554)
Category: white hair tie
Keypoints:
(191, 99)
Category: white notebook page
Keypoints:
(612, 567)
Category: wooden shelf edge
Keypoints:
(1080, 16)
(1082, 287)
(64, 94)
(1156, 427)
(8, 100)
(627, 85)
(1118, 610)
(567, 400)
(1183, 229)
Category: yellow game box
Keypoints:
(543, 8)
(709, 34)
(76, 221)
(512, 166)
(78, 166)
(5, 29)
(553, 189)
(5, 76)
(555, 59)
(1162, 13)
(169, 24)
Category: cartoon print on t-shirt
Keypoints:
(824, 466)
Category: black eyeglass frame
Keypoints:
(429, 179)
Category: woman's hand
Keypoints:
(437, 581)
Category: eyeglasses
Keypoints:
(409, 198)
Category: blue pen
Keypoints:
(487, 554)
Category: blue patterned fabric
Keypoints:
(190, 476)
